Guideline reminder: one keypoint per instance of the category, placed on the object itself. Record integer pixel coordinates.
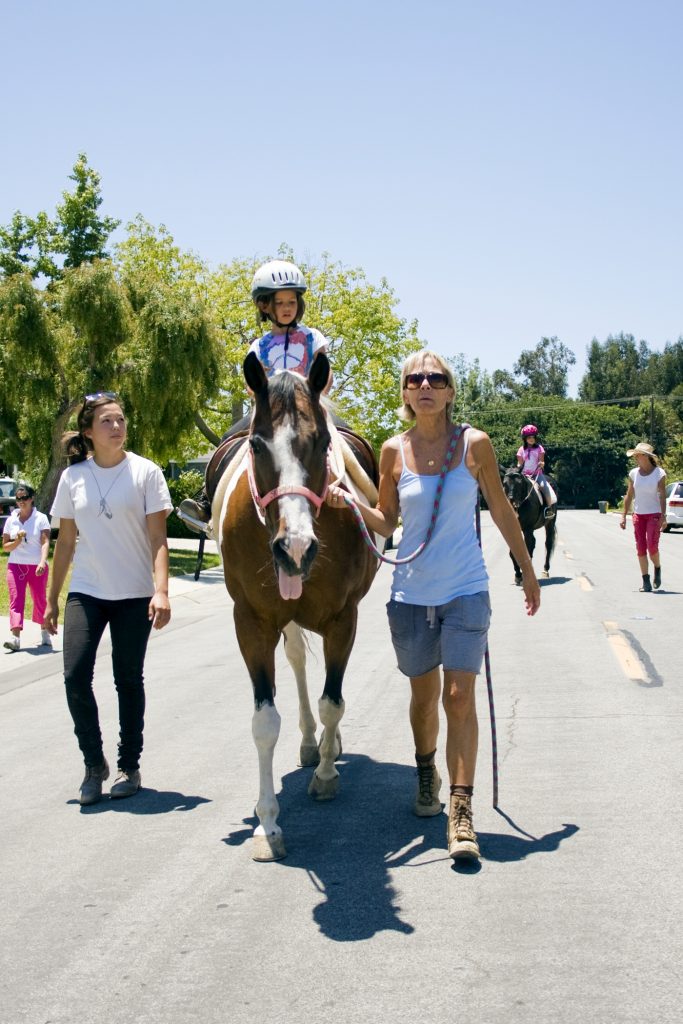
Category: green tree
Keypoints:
(616, 368)
(545, 369)
(92, 327)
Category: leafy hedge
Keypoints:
(185, 486)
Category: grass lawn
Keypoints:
(180, 563)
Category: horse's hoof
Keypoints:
(267, 848)
(545, 574)
(323, 789)
(518, 581)
(309, 755)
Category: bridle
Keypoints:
(262, 503)
(518, 504)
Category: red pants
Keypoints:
(18, 578)
(647, 529)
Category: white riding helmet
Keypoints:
(275, 276)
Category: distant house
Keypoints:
(198, 465)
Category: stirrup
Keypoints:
(196, 525)
(549, 512)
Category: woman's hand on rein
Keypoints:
(335, 497)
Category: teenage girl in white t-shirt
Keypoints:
(115, 504)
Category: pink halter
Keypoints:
(279, 492)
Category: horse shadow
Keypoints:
(553, 581)
(349, 846)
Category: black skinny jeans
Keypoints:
(85, 619)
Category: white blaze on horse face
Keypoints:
(295, 509)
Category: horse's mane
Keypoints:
(285, 391)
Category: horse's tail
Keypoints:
(551, 536)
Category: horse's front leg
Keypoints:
(337, 645)
(268, 843)
(295, 649)
(257, 643)
(518, 571)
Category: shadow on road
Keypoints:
(349, 846)
(146, 801)
(553, 581)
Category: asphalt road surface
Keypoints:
(151, 910)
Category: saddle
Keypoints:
(221, 459)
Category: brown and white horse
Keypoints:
(290, 563)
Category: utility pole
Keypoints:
(652, 420)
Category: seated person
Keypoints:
(531, 461)
(277, 290)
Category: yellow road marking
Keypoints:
(629, 662)
(584, 583)
(569, 555)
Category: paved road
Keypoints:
(151, 910)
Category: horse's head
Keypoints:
(516, 487)
(289, 439)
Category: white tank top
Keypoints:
(452, 564)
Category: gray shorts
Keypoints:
(453, 635)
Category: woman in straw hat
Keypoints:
(646, 494)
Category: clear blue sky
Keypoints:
(513, 167)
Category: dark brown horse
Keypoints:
(290, 563)
(531, 512)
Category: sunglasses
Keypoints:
(102, 394)
(435, 380)
(22, 497)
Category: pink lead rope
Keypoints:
(437, 501)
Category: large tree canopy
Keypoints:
(90, 328)
(545, 369)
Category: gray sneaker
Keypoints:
(91, 787)
(127, 783)
(462, 839)
(427, 802)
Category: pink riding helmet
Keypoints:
(529, 430)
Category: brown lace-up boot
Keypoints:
(462, 839)
(427, 802)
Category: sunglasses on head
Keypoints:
(435, 380)
(102, 394)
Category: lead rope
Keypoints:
(489, 688)
(437, 501)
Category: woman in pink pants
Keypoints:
(26, 536)
(646, 492)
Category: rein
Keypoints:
(437, 501)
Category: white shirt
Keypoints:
(646, 491)
(29, 551)
(113, 558)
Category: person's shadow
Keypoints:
(145, 801)
(349, 845)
